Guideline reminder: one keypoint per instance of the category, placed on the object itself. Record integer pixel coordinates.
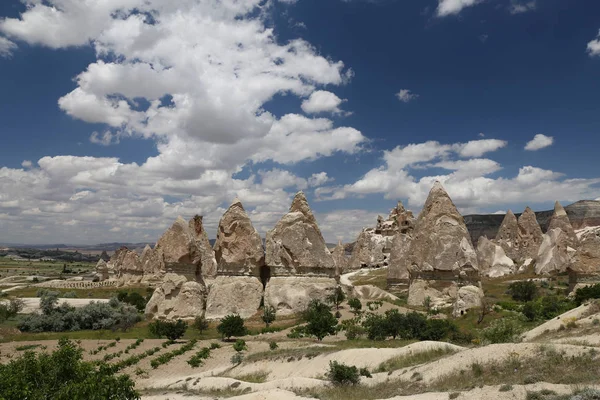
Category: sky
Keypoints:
(119, 115)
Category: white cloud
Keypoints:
(319, 179)
(6, 47)
(539, 142)
(593, 47)
(105, 139)
(452, 7)
(26, 164)
(322, 101)
(405, 95)
(477, 148)
(277, 178)
(519, 7)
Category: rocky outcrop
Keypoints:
(468, 297)
(204, 256)
(530, 235)
(238, 248)
(508, 235)
(440, 296)
(291, 295)
(104, 256)
(102, 270)
(555, 254)
(240, 295)
(340, 259)
(587, 259)
(398, 271)
(177, 298)
(560, 220)
(493, 261)
(441, 248)
(296, 246)
(153, 266)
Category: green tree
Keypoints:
(523, 291)
(62, 375)
(232, 325)
(342, 374)
(269, 315)
(320, 321)
(337, 297)
(170, 329)
(48, 302)
(200, 323)
(355, 305)
(10, 309)
(394, 323)
(240, 345)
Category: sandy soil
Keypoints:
(555, 324)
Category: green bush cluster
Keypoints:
(240, 345)
(10, 309)
(232, 325)
(198, 358)
(133, 360)
(133, 298)
(165, 358)
(100, 349)
(407, 326)
(172, 330)
(587, 293)
(505, 330)
(523, 291)
(342, 374)
(547, 307)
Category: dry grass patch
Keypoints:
(418, 358)
(255, 377)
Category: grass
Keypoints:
(375, 277)
(410, 360)
(27, 347)
(255, 377)
(97, 293)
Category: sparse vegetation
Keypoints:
(337, 297)
(355, 305)
(165, 358)
(412, 359)
(269, 315)
(200, 324)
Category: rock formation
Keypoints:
(291, 295)
(398, 272)
(587, 259)
(508, 235)
(153, 265)
(468, 297)
(177, 298)
(296, 246)
(493, 261)
(233, 295)
(102, 270)
(530, 235)
(239, 248)
(104, 256)
(204, 256)
(440, 295)
(555, 255)
(373, 247)
(340, 259)
(560, 220)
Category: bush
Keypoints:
(240, 345)
(169, 329)
(10, 309)
(376, 327)
(198, 358)
(237, 359)
(214, 346)
(62, 375)
(70, 295)
(501, 331)
(273, 345)
(320, 321)
(587, 293)
(200, 324)
(269, 315)
(232, 325)
(355, 305)
(341, 374)
(353, 329)
(337, 297)
(530, 310)
(133, 298)
(523, 291)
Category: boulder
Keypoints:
(441, 296)
(371, 250)
(102, 270)
(530, 235)
(233, 295)
(441, 247)
(296, 246)
(291, 295)
(177, 298)
(555, 254)
(560, 220)
(508, 235)
(493, 262)
(238, 248)
(468, 297)
(340, 259)
(398, 274)
(129, 272)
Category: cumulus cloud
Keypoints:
(6, 47)
(322, 101)
(105, 139)
(593, 47)
(538, 142)
(405, 95)
(518, 7)
(319, 179)
(27, 164)
(453, 7)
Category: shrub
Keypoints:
(273, 345)
(214, 346)
(62, 375)
(232, 325)
(133, 298)
(320, 321)
(523, 291)
(376, 327)
(501, 331)
(531, 310)
(169, 329)
(269, 315)
(587, 293)
(355, 305)
(240, 345)
(70, 295)
(165, 358)
(353, 329)
(10, 309)
(200, 324)
(341, 374)
(237, 359)
(337, 297)
(365, 372)
(198, 358)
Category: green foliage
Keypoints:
(214, 346)
(240, 345)
(10, 309)
(70, 295)
(198, 358)
(273, 345)
(133, 298)
(237, 359)
(269, 315)
(93, 316)
(374, 305)
(200, 324)
(232, 325)
(320, 321)
(355, 305)
(587, 293)
(353, 329)
(376, 327)
(169, 329)
(523, 291)
(337, 297)
(62, 375)
(298, 332)
(365, 372)
(165, 358)
(503, 330)
(546, 308)
(342, 374)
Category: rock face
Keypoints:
(239, 248)
(441, 248)
(291, 295)
(560, 220)
(440, 296)
(233, 295)
(104, 256)
(102, 270)
(153, 266)
(530, 235)
(508, 235)
(398, 271)
(204, 256)
(493, 261)
(296, 246)
(373, 247)
(340, 259)
(587, 259)
(177, 298)
(555, 255)
(468, 297)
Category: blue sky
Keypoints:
(119, 115)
